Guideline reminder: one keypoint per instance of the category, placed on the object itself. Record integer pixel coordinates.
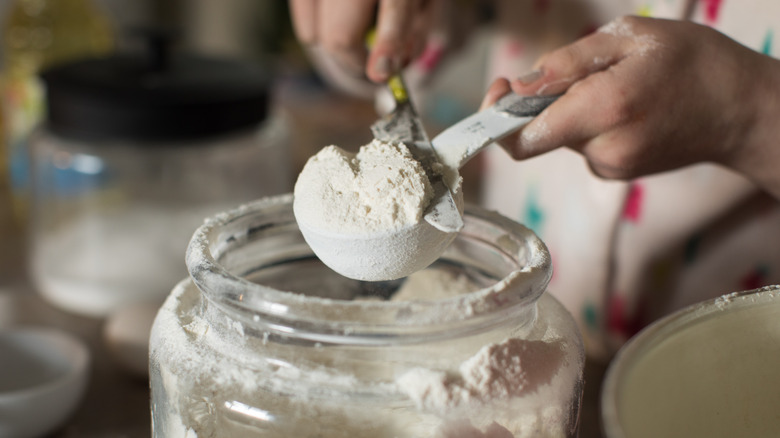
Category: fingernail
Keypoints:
(383, 66)
(395, 64)
(485, 103)
(387, 66)
(531, 77)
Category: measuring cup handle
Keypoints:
(523, 106)
(461, 141)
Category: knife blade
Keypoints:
(404, 125)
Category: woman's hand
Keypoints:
(339, 28)
(646, 95)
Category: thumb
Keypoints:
(497, 89)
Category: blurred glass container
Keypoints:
(265, 340)
(135, 150)
(709, 370)
(38, 34)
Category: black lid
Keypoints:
(155, 97)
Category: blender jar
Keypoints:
(134, 152)
(264, 340)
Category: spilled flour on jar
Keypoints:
(380, 188)
(509, 388)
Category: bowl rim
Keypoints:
(657, 332)
(77, 363)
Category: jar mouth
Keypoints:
(232, 250)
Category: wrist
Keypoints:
(757, 154)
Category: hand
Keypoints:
(646, 95)
(339, 27)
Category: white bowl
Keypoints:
(43, 374)
(709, 370)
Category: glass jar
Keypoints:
(708, 370)
(133, 154)
(38, 34)
(264, 340)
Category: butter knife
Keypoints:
(404, 125)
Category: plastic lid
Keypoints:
(154, 97)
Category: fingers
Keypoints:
(304, 18)
(337, 27)
(555, 72)
(498, 88)
(343, 25)
(597, 76)
(517, 146)
(395, 34)
(594, 106)
(625, 91)
(423, 22)
(585, 63)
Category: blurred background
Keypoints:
(40, 35)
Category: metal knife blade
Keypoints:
(457, 144)
(404, 125)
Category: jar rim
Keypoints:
(512, 296)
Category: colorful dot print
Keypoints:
(533, 216)
(712, 10)
(766, 48)
(632, 211)
(590, 315)
(755, 278)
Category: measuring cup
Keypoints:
(396, 253)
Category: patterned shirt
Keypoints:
(626, 253)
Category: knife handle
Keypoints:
(523, 106)
(398, 88)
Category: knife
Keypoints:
(460, 142)
(403, 125)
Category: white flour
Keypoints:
(362, 214)
(535, 131)
(380, 188)
(510, 388)
(433, 284)
(621, 28)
